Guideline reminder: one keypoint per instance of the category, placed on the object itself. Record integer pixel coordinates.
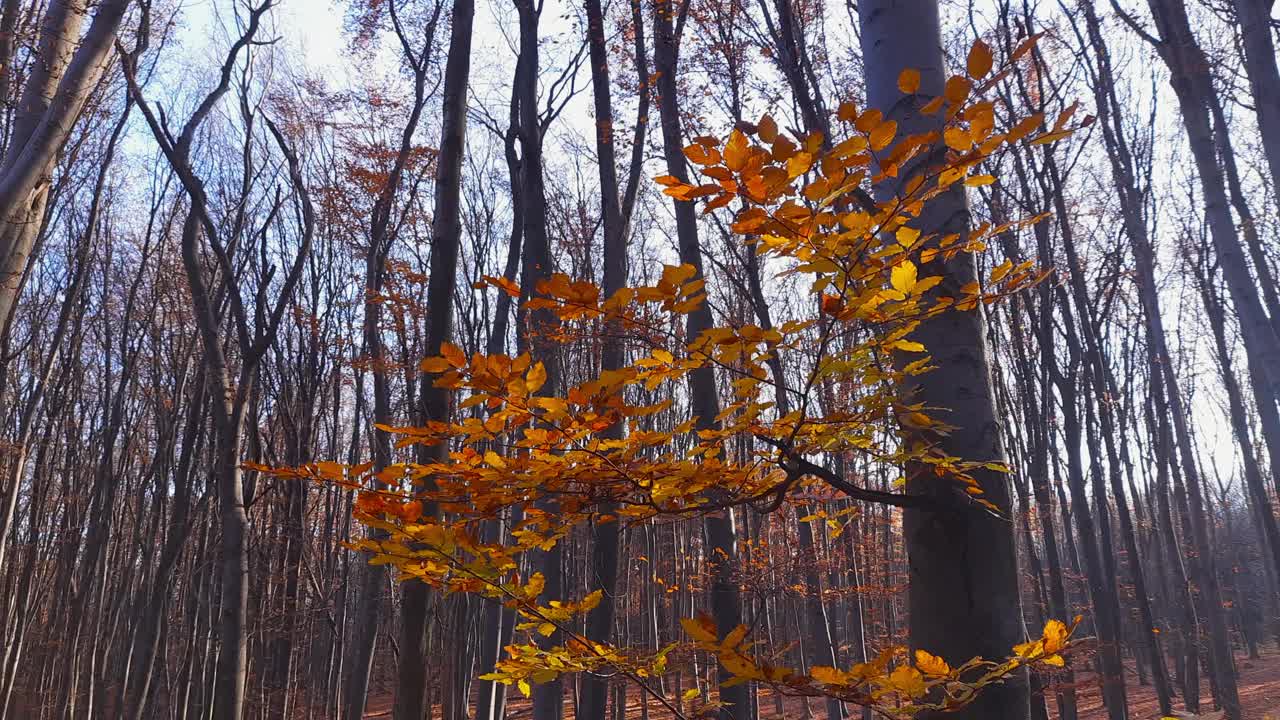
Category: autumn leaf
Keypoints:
(907, 680)
(903, 276)
(701, 628)
(1055, 636)
(536, 378)
(767, 129)
(978, 64)
(453, 354)
(909, 81)
(883, 134)
(931, 664)
(828, 675)
(736, 151)
(907, 236)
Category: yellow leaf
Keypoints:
(903, 276)
(701, 155)
(979, 61)
(700, 628)
(979, 180)
(828, 675)
(546, 629)
(908, 345)
(1049, 137)
(503, 284)
(534, 587)
(909, 81)
(524, 687)
(998, 272)
(1029, 650)
(932, 664)
(736, 151)
(689, 694)
(740, 665)
(494, 459)
(907, 680)
(536, 378)
(1055, 636)
(907, 236)
(735, 636)
(957, 139)
(1054, 660)
(798, 164)
(883, 134)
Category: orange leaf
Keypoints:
(883, 135)
(736, 151)
(979, 61)
(453, 354)
(909, 81)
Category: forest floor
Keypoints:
(1259, 693)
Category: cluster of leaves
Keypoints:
(869, 264)
(896, 683)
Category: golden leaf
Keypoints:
(978, 63)
(736, 151)
(903, 276)
(453, 354)
(828, 675)
(1055, 636)
(883, 134)
(909, 81)
(536, 377)
(932, 664)
(907, 680)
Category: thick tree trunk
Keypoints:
(68, 70)
(963, 594)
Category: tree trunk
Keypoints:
(721, 535)
(1254, 19)
(434, 405)
(62, 80)
(963, 593)
(604, 547)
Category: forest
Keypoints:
(639, 359)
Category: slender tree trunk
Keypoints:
(412, 692)
(604, 547)
(1189, 75)
(721, 535)
(1254, 19)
